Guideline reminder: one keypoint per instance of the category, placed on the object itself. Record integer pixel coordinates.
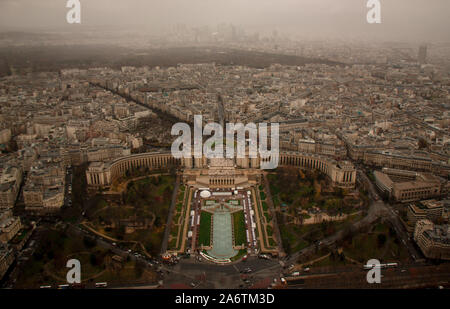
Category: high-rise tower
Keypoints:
(422, 58)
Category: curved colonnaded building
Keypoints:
(225, 173)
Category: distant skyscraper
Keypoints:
(422, 54)
(221, 110)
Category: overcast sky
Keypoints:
(406, 20)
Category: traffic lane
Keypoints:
(106, 245)
(255, 264)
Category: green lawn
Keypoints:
(240, 254)
(379, 243)
(173, 243)
(272, 242)
(179, 205)
(269, 230)
(268, 217)
(262, 195)
(240, 236)
(147, 198)
(47, 265)
(204, 237)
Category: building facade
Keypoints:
(433, 240)
(342, 174)
(429, 209)
(10, 181)
(6, 259)
(9, 226)
(408, 186)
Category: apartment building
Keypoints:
(9, 225)
(10, 181)
(408, 186)
(433, 240)
(429, 209)
(6, 259)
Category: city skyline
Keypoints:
(325, 19)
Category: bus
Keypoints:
(101, 285)
(391, 265)
(388, 265)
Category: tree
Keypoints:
(287, 246)
(381, 240)
(339, 192)
(391, 232)
(89, 242)
(138, 269)
(121, 232)
(348, 232)
(93, 259)
(422, 143)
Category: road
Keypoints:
(208, 275)
(157, 111)
(388, 213)
(404, 276)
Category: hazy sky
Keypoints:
(418, 20)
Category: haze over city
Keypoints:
(250, 147)
(404, 20)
